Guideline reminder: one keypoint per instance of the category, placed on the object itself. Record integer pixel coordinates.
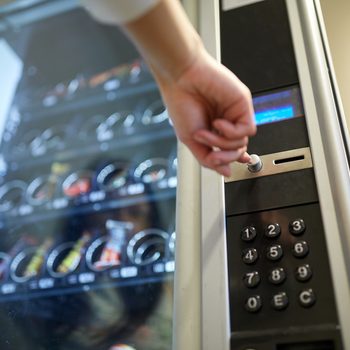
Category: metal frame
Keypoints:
(187, 287)
(214, 284)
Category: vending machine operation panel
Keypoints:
(281, 291)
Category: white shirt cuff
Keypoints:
(118, 11)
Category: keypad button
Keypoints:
(248, 233)
(280, 301)
(303, 273)
(307, 298)
(300, 249)
(297, 227)
(277, 275)
(253, 303)
(272, 230)
(251, 279)
(274, 252)
(250, 255)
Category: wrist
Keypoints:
(166, 39)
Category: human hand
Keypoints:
(212, 112)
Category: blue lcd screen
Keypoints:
(274, 115)
(273, 107)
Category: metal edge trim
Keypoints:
(214, 284)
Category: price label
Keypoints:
(159, 268)
(25, 209)
(87, 277)
(97, 196)
(60, 203)
(135, 189)
(46, 283)
(127, 272)
(8, 288)
(170, 266)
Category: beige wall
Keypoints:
(337, 20)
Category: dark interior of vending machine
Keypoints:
(87, 188)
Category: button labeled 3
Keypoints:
(297, 227)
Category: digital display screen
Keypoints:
(277, 106)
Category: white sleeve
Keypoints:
(118, 11)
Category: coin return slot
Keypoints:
(288, 160)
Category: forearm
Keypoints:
(166, 39)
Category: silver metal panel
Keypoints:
(215, 299)
(328, 154)
(274, 163)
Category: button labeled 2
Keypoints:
(272, 230)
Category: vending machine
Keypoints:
(88, 177)
(275, 235)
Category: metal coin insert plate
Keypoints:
(274, 163)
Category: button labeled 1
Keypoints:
(248, 233)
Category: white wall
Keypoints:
(337, 20)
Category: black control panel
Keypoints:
(280, 284)
(279, 276)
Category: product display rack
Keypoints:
(87, 191)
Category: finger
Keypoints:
(212, 139)
(225, 157)
(233, 130)
(202, 154)
(200, 151)
(224, 170)
(245, 158)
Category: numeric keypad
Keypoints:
(284, 246)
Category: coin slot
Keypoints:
(288, 160)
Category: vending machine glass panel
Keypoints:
(87, 186)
